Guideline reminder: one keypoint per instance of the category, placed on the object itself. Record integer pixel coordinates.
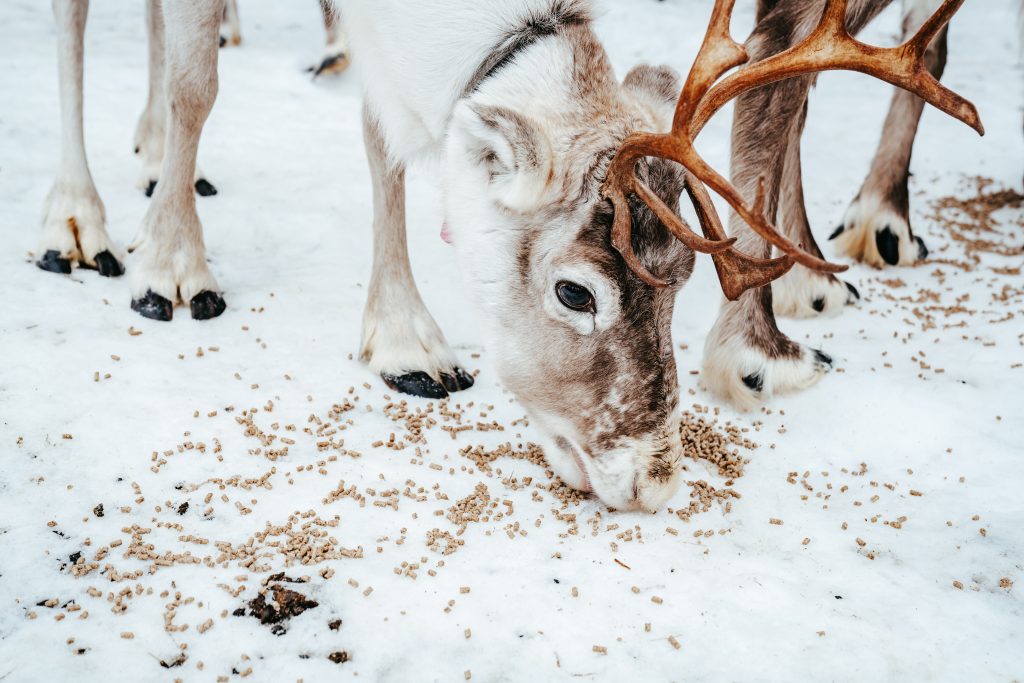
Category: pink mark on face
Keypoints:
(445, 235)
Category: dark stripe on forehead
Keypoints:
(546, 22)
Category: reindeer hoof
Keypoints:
(204, 188)
(223, 41)
(53, 262)
(206, 305)
(153, 306)
(150, 188)
(888, 246)
(415, 383)
(108, 265)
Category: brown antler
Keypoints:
(828, 47)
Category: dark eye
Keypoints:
(574, 296)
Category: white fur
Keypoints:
(728, 358)
(794, 294)
(866, 216)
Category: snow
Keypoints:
(288, 237)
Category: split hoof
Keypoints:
(206, 305)
(421, 384)
(153, 306)
(51, 261)
(150, 188)
(204, 188)
(108, 265)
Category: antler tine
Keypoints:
(621, 181)
(736, 271)
(718, 53)
(931, 27)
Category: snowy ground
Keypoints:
(214, 448)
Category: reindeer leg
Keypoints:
(335, 58)
(747, 358)
(231, 27)
(802, 292)
(401, 341)
(876, 227)
(74, 217)
(169, 257)
(151, 131)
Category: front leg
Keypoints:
(747, 359)
(151, 131)
(876, 227)
(74, 222)
(401, 342)
(168, 262)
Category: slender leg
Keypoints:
(335, 58)
(876, 227)
(169, 257)
(151, 131)
(401, 341)
(231, 27)
(746, 357)
(803, 292)
(74, 218)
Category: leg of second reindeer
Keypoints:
(802, 292)
(169, 257)
(401, 342)
(231, 27)
(876, 227)
(747, 359)
(335, 58)
(151, 131)
(74, 218)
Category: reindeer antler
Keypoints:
(828, 47)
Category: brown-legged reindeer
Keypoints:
(563, 211)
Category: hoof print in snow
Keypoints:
(108, 265)
(282, 605)
(416, 384)
(52, 262)
(206, 305)
(204, 188)
(153, 306)
(888, 246)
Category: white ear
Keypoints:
(513, 150)
(658, 87)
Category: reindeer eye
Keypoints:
(574, 296)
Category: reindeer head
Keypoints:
(583, 343)
(565, 218)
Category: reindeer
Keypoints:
(564, 214)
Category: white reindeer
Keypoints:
(520, 99)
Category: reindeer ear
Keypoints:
(513, 149)
(658, 86)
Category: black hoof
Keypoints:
(204, 188)
(818, 304)
(416, 383)
(52, 262)
(329, 63)
(457, 380)
(822, 357)
(153, 306)
(837, 232)
(206, 305)
(223, 41)
(107, 265)
(853, 292)
(754, 382)
(888, 246)
(150, 188)
(922, 250)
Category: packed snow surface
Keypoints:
(155, 477)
